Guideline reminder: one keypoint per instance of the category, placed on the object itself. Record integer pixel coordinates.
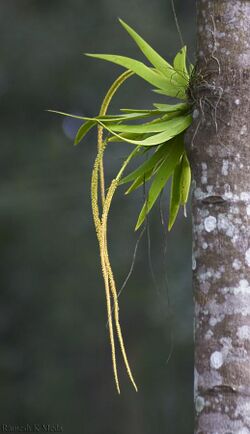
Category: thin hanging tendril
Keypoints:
(101, 230)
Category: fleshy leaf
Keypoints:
(175, 127)
(185, 180)
(171, 107)
(150, 127)
(83, 130)
(174, 202)
(126, 116)
(146, 166)
(109, 118)
(143, 111)
(180, 65)
(141, 180)
(70, 115)
(173, 154)
(180, 94)
(154, 58)
(169, 86)
(126, 136)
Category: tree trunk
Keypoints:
(219, 153)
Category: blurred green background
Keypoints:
(55, 363)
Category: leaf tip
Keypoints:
(138, 224)
(122, 22)
(185, 210)
(170, 225)
(89, 54)
(141, 219)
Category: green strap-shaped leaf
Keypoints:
(168, 108)
(150, 127)
(109, 118)
(141, 180)
(127, 116)
(180, 94)
(83, 118)
(180, 65)
(185, 180)
(168, 85)
(143, 111)
(175, 127)
(174, 202)
(147, 165)
(83, 130)
(126, 136)
(166, 169)
(154, 58)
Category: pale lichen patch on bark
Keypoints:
(210, 223)
(247, 257)
(208, 334)
(216, 360)
(199, 404)
(193, 263)
(243, 130)
(236, 264)
(243, 332)
(225, 165)
(204, 173)
(243, 430)
(225, 224)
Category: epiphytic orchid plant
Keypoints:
(160, 135)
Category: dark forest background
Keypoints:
(55, 364)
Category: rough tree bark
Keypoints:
(219, 152)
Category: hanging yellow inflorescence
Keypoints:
(100, 221)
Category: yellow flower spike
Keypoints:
(109, 313)
(107, 204)
(101, 167)
(106, 269)
(95, 210)
(101, 231)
